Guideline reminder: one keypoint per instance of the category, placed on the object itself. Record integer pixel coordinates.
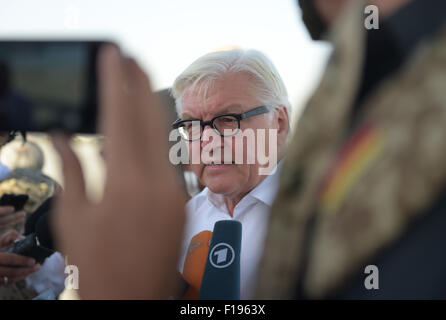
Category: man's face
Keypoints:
(230, 94)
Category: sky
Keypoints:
(166, 36)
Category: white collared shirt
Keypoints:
(206, 208)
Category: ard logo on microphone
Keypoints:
(222, 255)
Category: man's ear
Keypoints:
(283, 125)
(283, 120)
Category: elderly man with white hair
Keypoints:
(229, 93)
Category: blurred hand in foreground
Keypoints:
(7, 239)
(126, 246)
(9, 217)
(14, 267)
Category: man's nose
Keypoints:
(209, 135)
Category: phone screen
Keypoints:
(48, 84)
(16, 200)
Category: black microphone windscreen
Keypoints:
(221, 278)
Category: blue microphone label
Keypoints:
(222, 255)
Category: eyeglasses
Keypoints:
(225, 125)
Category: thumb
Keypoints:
(74, 183)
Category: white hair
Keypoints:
(204, 71)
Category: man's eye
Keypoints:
(186, 125)
(227, 119)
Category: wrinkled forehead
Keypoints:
(230, 94)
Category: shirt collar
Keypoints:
(266, 190)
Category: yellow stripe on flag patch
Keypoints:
(358, 154)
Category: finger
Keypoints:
(11, 218)
(9, 237)
(5, 241)
(117, 117)
(124, 112)
(19, 216)
(15, 274)
(72, 171)
(16, 223)
(23, 273)
(15, 260)
(6, 210)
(147, 103)
(144, 100)
(21, 213)
(150, 122)
(17, 279)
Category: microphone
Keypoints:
(37, 245)
(221, 278)
(193, 268)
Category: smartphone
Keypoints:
(47, 85)
(16, 200)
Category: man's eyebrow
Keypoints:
(233, 108)
(187, 116)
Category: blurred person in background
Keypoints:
(14, 269)
(8, 217)
(22, 154)
(25, 160)
(219, 87)
(21, 278)
(364, 181)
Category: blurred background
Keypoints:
(165, 37)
